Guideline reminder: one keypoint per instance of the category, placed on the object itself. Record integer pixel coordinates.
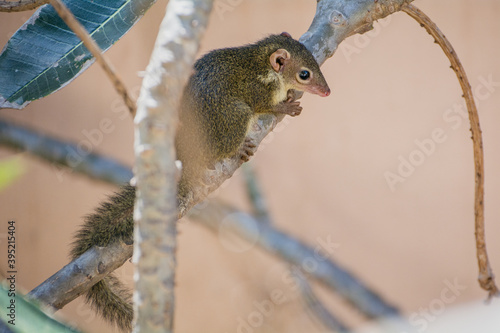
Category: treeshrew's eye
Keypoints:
(304, 75)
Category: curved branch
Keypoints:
(335, 20)
(20, 5)
(486, 277)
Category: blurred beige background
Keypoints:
(324, 173)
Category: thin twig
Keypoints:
(96, 51)
(20, 5)
(486, 277)
(315, 306)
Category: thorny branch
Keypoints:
(486, 277)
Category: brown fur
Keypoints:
(228, 88)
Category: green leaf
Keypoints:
(44, 54)
(10, 170)
(22, 315)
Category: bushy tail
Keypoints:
(113, 301)
(112, 221)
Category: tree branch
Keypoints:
(96, 51)
(155, 211)
(93, 265)
(486, 277)
(254, 192)
(335, 20)
(82, 273)
(20, 5)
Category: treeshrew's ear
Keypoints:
(278, 59)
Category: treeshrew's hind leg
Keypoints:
(248, 149)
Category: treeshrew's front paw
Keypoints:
(289, 107)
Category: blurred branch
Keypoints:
(296, 253)
(286, 247)
(62, 153)
(254, 192)
(155, 213)
(261, 214)
(317, 308)
(486, 277)
(96, 263)
(96, 51)
(20, 5)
